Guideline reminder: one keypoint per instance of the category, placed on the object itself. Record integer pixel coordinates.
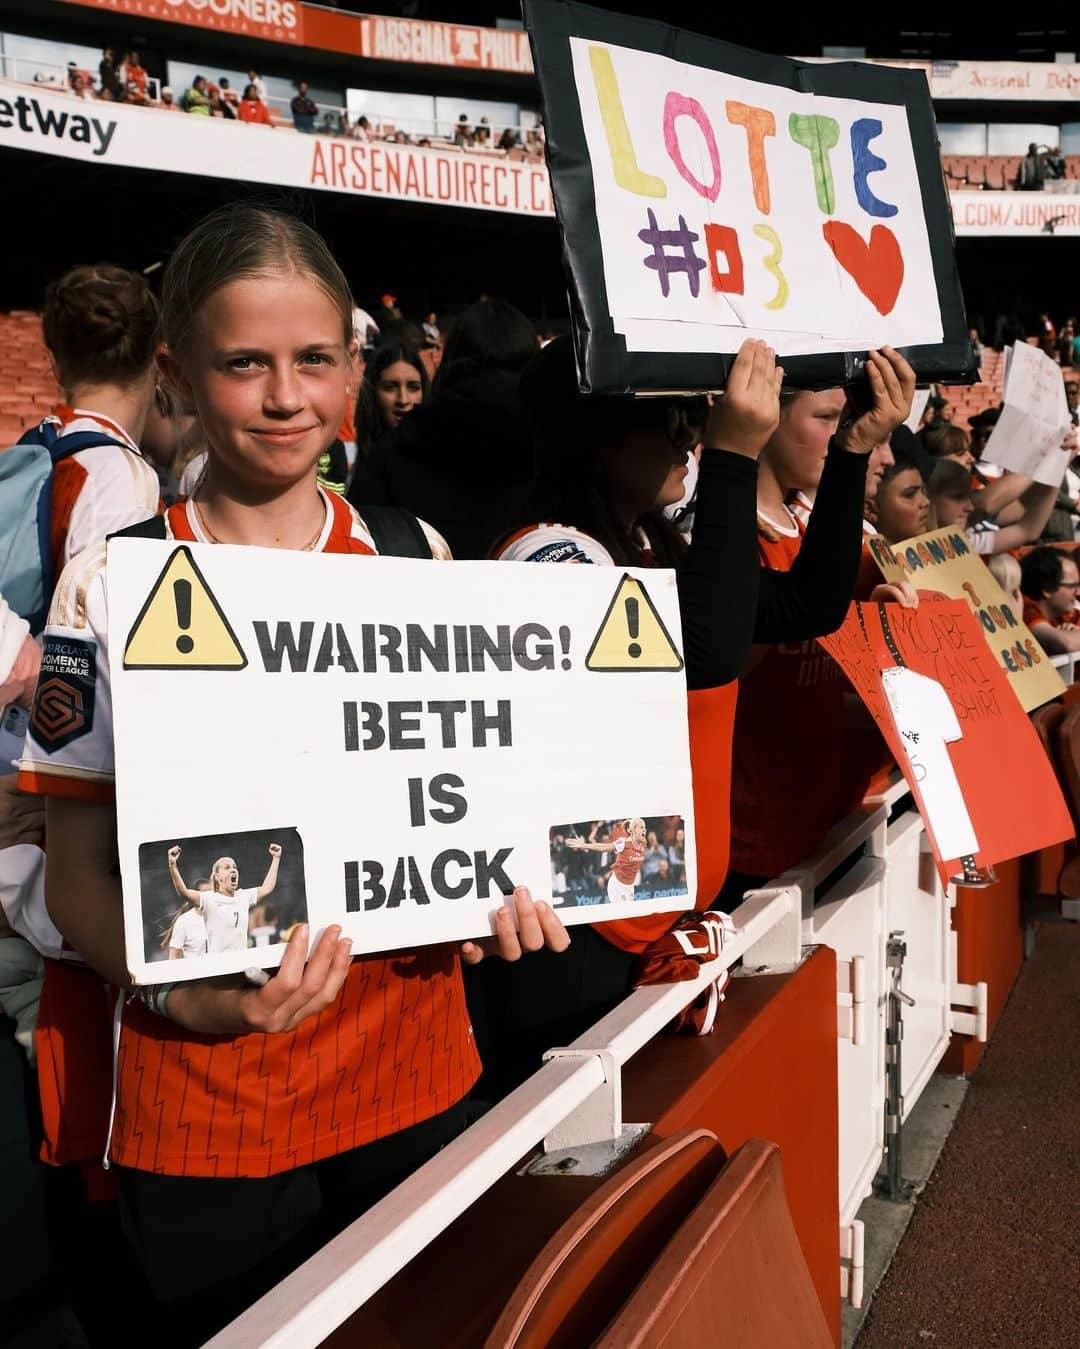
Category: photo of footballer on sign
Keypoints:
(627, 859)
(220, 893)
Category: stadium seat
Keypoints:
(731, 1272)
(592, 1264)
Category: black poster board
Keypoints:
(604, 362)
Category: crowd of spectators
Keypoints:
(758, 499)
(121, 78)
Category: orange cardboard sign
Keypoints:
(944, 561)
(961, 739)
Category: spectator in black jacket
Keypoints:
(463, 461)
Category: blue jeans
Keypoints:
(304, 123)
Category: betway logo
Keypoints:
(32, 117)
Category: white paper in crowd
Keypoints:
(414, 738)
(1034, 418)
(918, 407)
(927, 722)
(694, 155)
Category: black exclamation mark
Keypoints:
(182, 599)
(634, 650)
(564, 642)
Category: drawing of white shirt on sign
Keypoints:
(926, 722)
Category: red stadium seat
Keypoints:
(661, 1256)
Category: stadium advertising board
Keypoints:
(1016, 213)
(708, 193)
(944, 705)
(943, 562)
(394, 756)
(149, 138)
(273, 20)
(445, 44)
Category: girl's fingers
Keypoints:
(891, 380)
(295, 985)
(904, 372)
(555, 935)
(506, 936)
(739, 375)
(530, 937)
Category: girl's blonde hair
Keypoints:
(237, 242)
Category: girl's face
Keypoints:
(267, 367)
(902, 508)
(953, 508)
(796, 451)
(398, 391)
(646, 470)
(964, 457)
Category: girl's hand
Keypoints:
(896, 592)
(174, 852)
(275, 849)
(303, 987)
(892, 387)
(746, 414)
(537, 926)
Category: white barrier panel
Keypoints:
(1015, 213)
(55, 123)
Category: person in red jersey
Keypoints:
(628, 850)
(249, 1119)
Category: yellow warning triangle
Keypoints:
(181, 626)
(632, 635)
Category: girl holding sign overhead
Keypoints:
(606, 473)
(276, 1109)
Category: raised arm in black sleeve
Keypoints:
(812, 598)
(718, 579)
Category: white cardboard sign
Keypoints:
(731, 208)
(1034, 420)
(389, 744)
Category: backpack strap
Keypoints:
(63, 446)
(48, 434)
(396, 531)
(154, 528)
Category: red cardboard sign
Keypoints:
(883, 649)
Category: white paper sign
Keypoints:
(730, 208)
(1034, 419)
(388, 744)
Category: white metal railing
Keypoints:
(53, 77)
(575, 1098)
(307, 1306)
(1065, 664)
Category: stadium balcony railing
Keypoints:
(888, 894)
(51, 78)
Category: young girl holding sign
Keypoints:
(242, 1112)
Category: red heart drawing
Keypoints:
(876, 268)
